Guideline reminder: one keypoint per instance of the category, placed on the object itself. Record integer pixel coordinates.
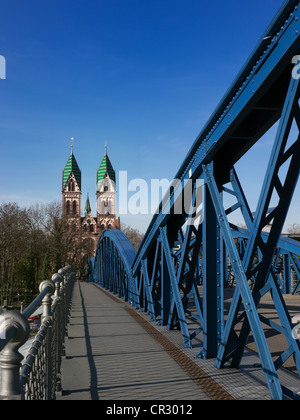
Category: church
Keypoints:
(88, 228)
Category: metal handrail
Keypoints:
(36, 303)
(38, 377)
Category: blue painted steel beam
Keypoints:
(115, 253)
(213, 282)
(242, 282)
(255, 243)
(178, 261)
(166, 294)
(175, 290)
(270, 60)
(286, 247)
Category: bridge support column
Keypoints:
(213, 279)
(287, 285)
(166, 297)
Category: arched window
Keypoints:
(91, 227)
(71, 186)
(68, 207)
(74, 207)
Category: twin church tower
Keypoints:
(89, 226)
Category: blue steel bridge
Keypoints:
(207, 283)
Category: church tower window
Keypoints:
(74, 208)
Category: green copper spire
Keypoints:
(105, 168)
(87, 208)
(72, 166)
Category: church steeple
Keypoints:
(87, 208)
(72, 167)
(106, 198)
(106, 195)
(105, 169)
(71, 188)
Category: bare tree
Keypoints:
(294, 229)
(30, 249)
(133, 235)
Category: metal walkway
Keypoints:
(115, 353)
(110, 356)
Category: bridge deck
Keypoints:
(110, 356)
(115, 353)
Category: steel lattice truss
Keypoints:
(180, 252)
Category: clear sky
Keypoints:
(143, 75)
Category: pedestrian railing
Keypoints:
(38, 375)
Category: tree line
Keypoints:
(35, 243)
(31, 249)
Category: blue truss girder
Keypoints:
(148, 291)
(243, 291)
(288, 251)
(112, 265)
(174, 284)
(213, 279)
(255, 242)
(270, 59)
(180, 270)
(185, 268)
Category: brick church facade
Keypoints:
(85, 230)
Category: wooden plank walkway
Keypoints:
(110, 355)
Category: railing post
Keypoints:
(63, 273)
(57, 280)
(47, 317)
(16, 326)
(47, 301)
(70, 288)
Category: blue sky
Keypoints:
(143, 75)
